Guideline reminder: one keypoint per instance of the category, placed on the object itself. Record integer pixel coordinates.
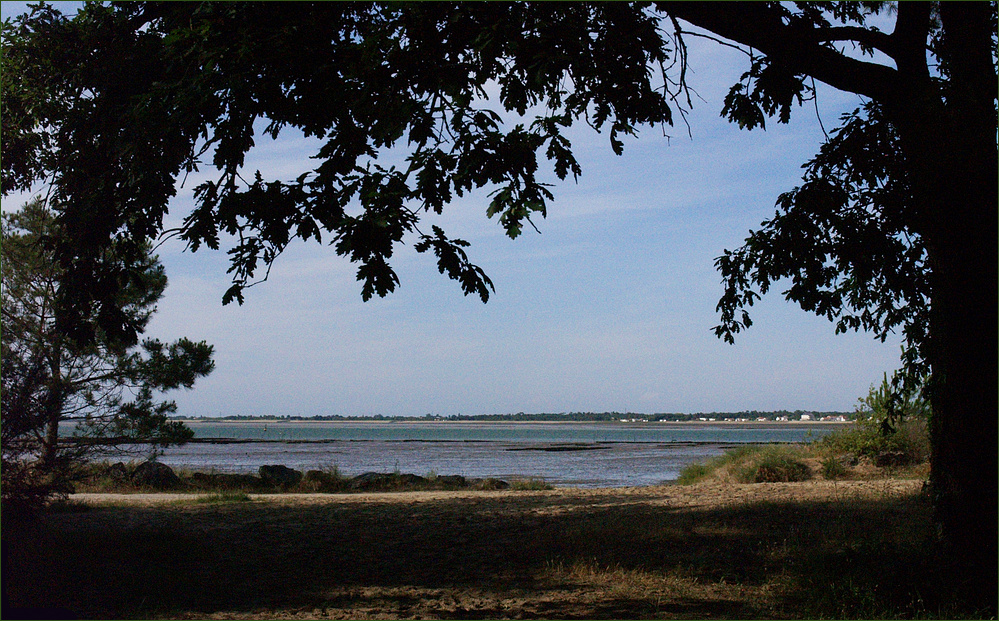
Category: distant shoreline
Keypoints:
(419, 421)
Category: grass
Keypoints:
(777, 465)
(530, 484)
(833, 468)
(222, 497)
(622, 555)
(860, 451)
(731, 460)
(63, 505)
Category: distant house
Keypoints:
(806, 417)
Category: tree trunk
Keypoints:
(963, 426)
(50, 444)
(960, 232)
(950, 150)
(53, 411)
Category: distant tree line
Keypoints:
(583, 417)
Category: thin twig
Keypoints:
(815, 102)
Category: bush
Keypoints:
(730, 460)
(908, 443)
(326, 479)
(780, 467)
(751, 464)
(833, 468)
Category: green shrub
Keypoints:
(730, 458)
(885, 403)
(908, 442)
(779, 466)
(326, 479)
(751, 464)
(833, 468)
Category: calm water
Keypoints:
(564, 454)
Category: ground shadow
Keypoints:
(507, 556)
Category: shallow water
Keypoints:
(563, 454)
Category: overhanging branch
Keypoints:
(800, 51)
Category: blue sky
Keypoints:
(609, 308)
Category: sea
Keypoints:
(563, 454)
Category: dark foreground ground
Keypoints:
(855, 549)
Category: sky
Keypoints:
(609, 308)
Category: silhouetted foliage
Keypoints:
(893, 226)
(102, 390)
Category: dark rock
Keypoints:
(411, 480)
(156, 475)
(452, 480)
(280, 476)
(317, 476)
(378, 480)
(371, 480)
(241, 480)
(490, 484)
(117, 473)
(223, 480)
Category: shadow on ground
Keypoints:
(520, 556)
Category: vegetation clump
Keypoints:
(531, 484)
(889, 434)
(889, 430)
(780, 467)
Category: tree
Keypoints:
(103, 389)
(893, 226)
(895, 222)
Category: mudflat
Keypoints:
(767, 550)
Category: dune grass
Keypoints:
(861, 450)
(530, 484)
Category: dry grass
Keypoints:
(855, 549)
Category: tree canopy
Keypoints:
(363, 78)
(892, 228)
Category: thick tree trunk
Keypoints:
(958, 192)
(963, 397)
(955, 183)
(950, 148)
